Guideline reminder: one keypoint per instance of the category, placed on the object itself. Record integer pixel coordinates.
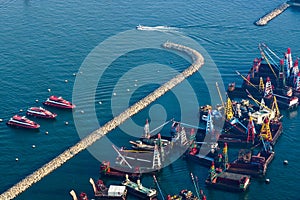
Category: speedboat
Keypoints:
(139, 27)
(40, 112)
(59, 102)
(23, 122)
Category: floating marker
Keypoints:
(74, 74)
(33, 146)
(21, 110)
(114, 94)
(66, 81)
(128, 90)
(135, 80)
(66, 123)
(49, 90)
(100, 102)
(82, 111)
(285, 162)
(1, 120)
(46, 132)
(135, 85)
(17, 159)
(157, 70)
(36, 100)
(267, 181)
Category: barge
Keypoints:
(138, 190)
(227, 181)
(113, 192)
(254, 165)
(118, 172)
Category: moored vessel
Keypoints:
(114, 192)
(22, 122)
(139, 190)
(40, 112)
(227, 181)
(58, 102)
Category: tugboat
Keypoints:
(23, 122)
(40, 112)
(227, 181)
(115, 192)
(138, 190)
(59, 102)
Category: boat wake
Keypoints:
(157, 28)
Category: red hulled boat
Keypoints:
(23, 122)
(59, 102)
(40, 112)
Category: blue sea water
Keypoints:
(44, 43)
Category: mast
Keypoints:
(225, 154)
(220, 95)
(196, 188)
(297, 88)
(156, 158)
(212, 171)
(250, 131)
(155, 180)
(268, 89)
(265, 131)
(282, 74)
(228, 109)
(275, 107)
(209, 124)
(295, 68)
(147, 129)
(261, 87)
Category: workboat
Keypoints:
(59, 102)
(139, 190)
(205, 157)
(254, 165)
(40, 112)
(227, 181)
(115, 192)
(118, 171)
(23, 122)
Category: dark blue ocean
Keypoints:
(44, 44)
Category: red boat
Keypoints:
(40, 112)
(59, 102)
(23, 122)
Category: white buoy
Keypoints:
(74, 74)
(21, 110)
(285, 162)
(135, 80)
(100, 102)
(157, 70)
(17, 159)
(66, 81)
(135, 85)
(128, 90)
(267, 181)
(66, 123)
(46, 132)
(49, 90)
(36, 100)
(1, 120)
(82, 111)
(33, 146)
(114, 94)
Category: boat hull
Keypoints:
(16, 125)
(58, 105)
